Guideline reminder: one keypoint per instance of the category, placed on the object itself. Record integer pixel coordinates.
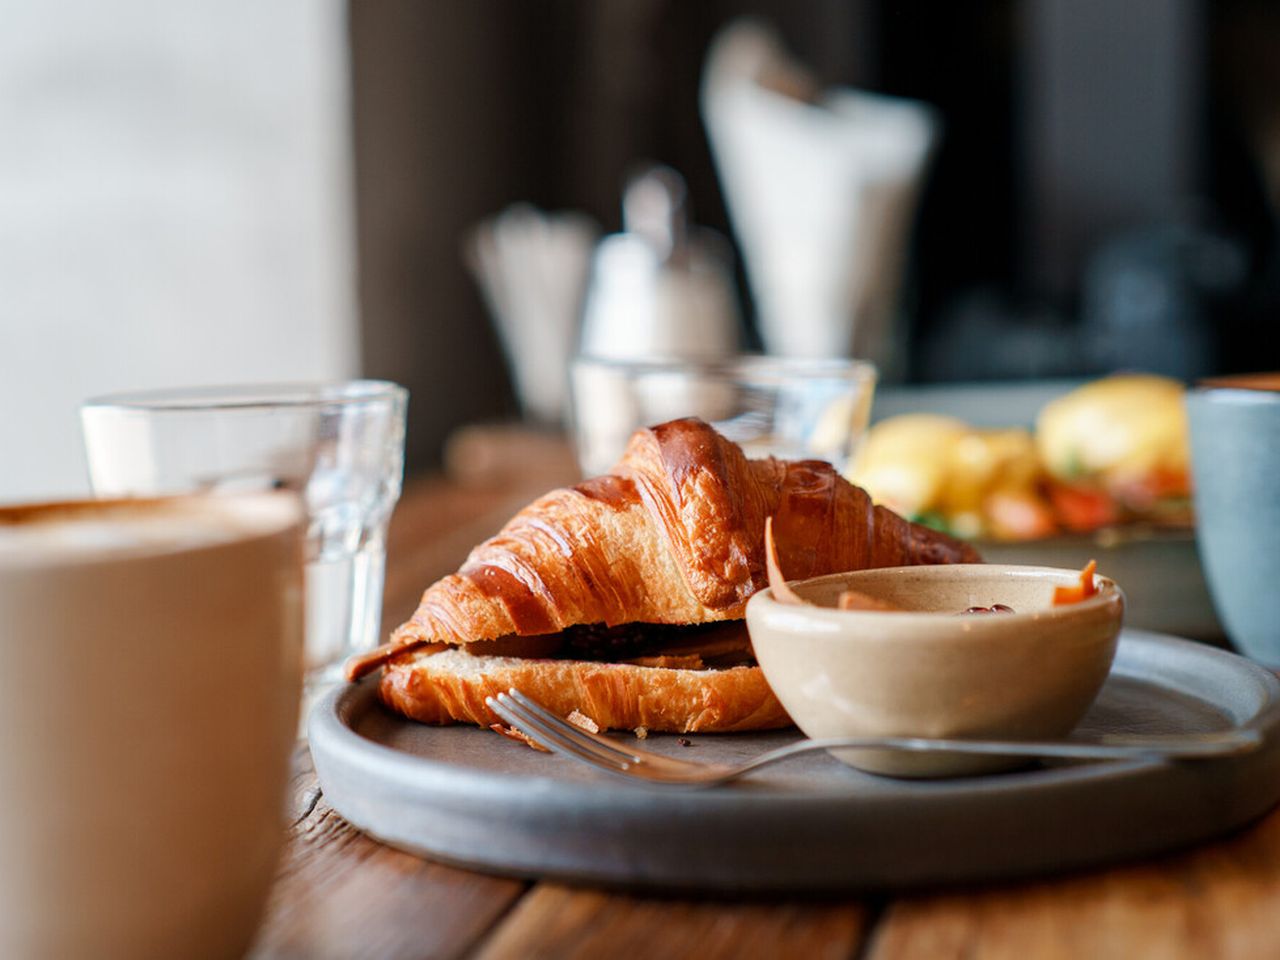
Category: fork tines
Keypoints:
(552, 732)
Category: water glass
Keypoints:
(772, 406)
(340, 446)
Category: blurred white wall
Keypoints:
(175, 208)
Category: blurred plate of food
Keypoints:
(1053, 473)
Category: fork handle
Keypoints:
(1112, 747)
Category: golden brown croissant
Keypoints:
(451, 687)
(674, 536)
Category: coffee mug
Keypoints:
(1235, 450)
(148, 702)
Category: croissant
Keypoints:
(451, 686)
(673, 536)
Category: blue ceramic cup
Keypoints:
(1235, 452)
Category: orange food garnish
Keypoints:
(1081, 508)
(777, 582)
(1019, 515)
(1078, 592)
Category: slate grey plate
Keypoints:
(467, 796)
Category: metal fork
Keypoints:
(622, 759)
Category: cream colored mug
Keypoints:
(148, 702)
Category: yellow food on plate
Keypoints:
(944, 472)
(1111, 451)
(904, 461)
(1126, 435)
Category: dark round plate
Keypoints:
(467, 796)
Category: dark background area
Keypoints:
(1099, 200)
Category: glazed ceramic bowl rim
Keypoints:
(1109, 594)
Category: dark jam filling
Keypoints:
(595, 641)
(716, 645)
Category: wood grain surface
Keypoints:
(341, 894)
(1221, 900)
(556, 921)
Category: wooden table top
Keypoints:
(342, 894)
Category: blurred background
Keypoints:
(232, 192)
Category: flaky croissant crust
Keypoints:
(452, 687)
(673, 535)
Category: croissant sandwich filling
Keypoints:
(702, 646)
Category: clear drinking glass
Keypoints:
(789, 408)
(340, 446)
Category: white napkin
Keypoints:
(822, 192)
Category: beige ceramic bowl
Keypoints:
(932, 672)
